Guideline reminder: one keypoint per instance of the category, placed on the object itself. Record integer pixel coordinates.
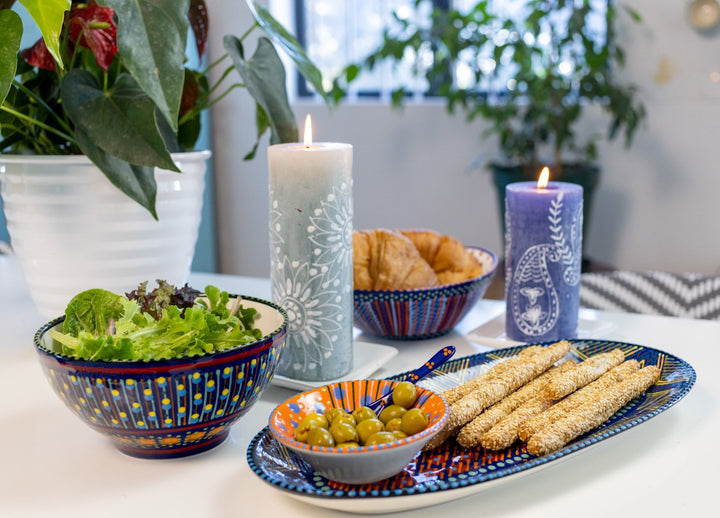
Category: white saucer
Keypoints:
(492, 332)
(367, 358)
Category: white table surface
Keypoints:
(54, 465)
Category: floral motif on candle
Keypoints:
(312, 291)
(331, 229)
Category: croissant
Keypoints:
(448, 257)
(361, 261)
(387, 260)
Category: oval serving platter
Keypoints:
(451, 471)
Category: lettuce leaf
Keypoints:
(108, 327)
(92, 311)
(163, 296)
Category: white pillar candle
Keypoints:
(310, 189)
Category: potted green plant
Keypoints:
(109, 66)
(108, 89)
(529, 75)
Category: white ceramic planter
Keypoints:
(72, 230)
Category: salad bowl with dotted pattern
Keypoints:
(167, 408)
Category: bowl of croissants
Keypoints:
(415, 284)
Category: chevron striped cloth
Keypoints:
(689, 295)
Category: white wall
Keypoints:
(656, 206)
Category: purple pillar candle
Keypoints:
(543, 247)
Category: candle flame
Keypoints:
(544, 177)
(308, 131)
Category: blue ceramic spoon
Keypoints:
(426, 368)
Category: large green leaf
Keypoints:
(137, 182)
(9, 45)
(49, 16)
(289, 44)
(262, 124)
(264, 78)
(152, 35)
(121, 121)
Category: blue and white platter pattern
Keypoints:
(451, 471)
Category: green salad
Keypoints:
(164, 323)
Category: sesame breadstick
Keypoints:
(585, 417)
(456, 393)
(587, 393)
(589, 370)
(498, 387)
(470, 434)
(504, 433)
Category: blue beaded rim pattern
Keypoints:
(439, 469)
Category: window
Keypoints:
(337, 33)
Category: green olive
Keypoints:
(380, 438)
(368, 427)
(332, 413)
(399, 434)
(320, 437)
(344, 418)
(307, 423)
(347, 445)
(404, 394)
(393, 424)
(363, 413)
(320, 419)
(391, 412)
(344, 432)
(413, 421)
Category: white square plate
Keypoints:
(492, 332)
(367, 358)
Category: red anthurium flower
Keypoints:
(190, 93)
(94, 26)
(198, 18)
(39, 56)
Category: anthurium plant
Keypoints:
(110, 79)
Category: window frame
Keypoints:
(304, 93)
(301, 89)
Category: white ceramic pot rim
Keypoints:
(83, 159)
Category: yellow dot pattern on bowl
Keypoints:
(168, 401)
(187, 407)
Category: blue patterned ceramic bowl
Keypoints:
(361, 465)
(422, 313)
(168, 408)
